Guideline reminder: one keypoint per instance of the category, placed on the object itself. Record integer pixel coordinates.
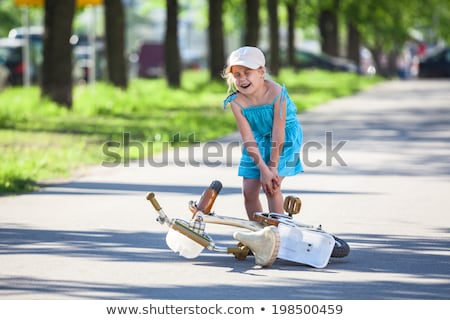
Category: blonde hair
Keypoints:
(230, 82)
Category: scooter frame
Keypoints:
(194, 229)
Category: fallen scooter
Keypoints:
(270, 236)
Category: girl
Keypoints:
(270, 131)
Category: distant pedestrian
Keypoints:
(267, 121)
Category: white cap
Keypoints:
(250, 57)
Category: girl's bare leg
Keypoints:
(275, 201)
(251, 190)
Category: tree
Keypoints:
(291, 7)
(251, 36)
(272, 9)
(384, 26)
(354, 12)
(328, 27)
(115, 43)
(353, 43)
(171, 50)
(216, 41)
(385, 30)
(57, 80)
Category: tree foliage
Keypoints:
(10, 17)
(381, 25)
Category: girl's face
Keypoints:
(247, 80)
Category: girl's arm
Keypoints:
(278, 131)
(247, 136)
(269, 179)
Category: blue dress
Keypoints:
(260, 118)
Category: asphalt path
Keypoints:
(377, 169)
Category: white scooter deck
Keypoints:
(305, 246)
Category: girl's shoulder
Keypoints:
(275, 90)
(273, 93)
(275, 86)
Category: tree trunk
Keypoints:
(328, 26)
(251, 23)
(272, 8)
(57, 79)
(216, 40)
(292, 13)
(171, 49)
(353, 44)
(115, 43)
(377, 54)
(392, 63)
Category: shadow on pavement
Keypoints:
(420, 136)
(291, 289)
(108, 188)
(418, 259)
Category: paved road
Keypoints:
(382, 184)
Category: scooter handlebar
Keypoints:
(151, 197)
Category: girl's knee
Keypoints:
(251, 189)
(250, 194)
(274, 197)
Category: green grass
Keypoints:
(40, 140)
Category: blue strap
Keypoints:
(228, 99)
(282, 95)
(231, 98)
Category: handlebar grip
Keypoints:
(292, 204)
(151, 197)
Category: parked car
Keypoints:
(83, 59)
(309, 60)
(35, 33)
(151, 60)
(82, 55)
(11, 54)
(436, 63)
(11, 58)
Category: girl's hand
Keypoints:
(270, 181)
(277, 179)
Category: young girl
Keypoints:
(270, 131)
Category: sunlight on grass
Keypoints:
(40, 140)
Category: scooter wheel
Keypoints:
(341, 248)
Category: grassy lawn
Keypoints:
(40, 140)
